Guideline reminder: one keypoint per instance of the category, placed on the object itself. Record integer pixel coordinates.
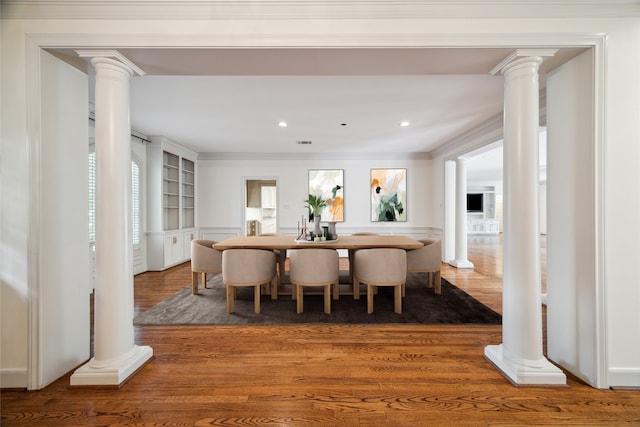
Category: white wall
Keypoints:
(14, 213)
(571, 269)
(220, 194)
(63, 236)
(619, 251)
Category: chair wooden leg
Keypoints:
(299, 302)
(256, 298)
(230, 298)
(356, 288)
(274, 288)
(397, 299)
(336, 291)
(204, 280)
(327, 299)
(438, 282)
(369, 299)
(194, 283)
(430, 280)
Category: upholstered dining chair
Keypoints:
(350, 255)
(380, 267)
(204, 259)
(281, 258)
(314, 267)
(427, 259)
(249, 267)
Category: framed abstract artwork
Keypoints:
(388, 195)
(328, 184)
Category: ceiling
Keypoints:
(341, 100)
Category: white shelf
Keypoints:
(170, 203)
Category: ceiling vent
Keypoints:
(304, 142)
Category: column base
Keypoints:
(113, 373)
(521, 375)
(457, 263)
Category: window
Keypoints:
(136, 201)
(92, 197)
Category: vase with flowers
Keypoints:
(315, 204)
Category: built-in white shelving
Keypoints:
(171, 170)
(170, 191)
(484, 222)
(188, 193)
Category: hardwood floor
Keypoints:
(322, 375)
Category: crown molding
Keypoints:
(485, 133)
(314, 156)
(315, 9)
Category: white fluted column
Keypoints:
(116, 357)
(461, 260)
(520, 355)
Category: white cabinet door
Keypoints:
(188, 237)
(173, 249)
(493, 227)
(269, 197)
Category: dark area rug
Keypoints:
(420, 305)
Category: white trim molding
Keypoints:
(315, 9)
(13, 378)
(624, 378)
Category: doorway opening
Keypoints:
(261, 206)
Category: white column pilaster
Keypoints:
(449, 211)
(461, 260)
(520, 355)
(116, 357)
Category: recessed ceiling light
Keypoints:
(404, 123)
(282, 124)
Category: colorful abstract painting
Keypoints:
(329, 185)
(388, 195)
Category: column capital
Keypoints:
(114, 57)
(521, 54)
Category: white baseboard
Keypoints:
(13, 378)
(624, 378)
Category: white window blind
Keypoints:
(92, 197)
(135, 202)
(136, 197)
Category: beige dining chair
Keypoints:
(249, 267)
(350, 253)
(204, 260)
(427, 259)
(380, 267)
(314, 267)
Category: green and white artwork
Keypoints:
(388, 195)
(328, 184)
